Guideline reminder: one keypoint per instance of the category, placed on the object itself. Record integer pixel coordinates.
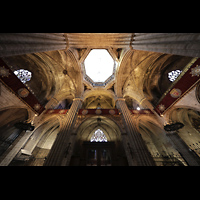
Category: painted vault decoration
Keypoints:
(180, 88)
(14, 84)
(161, 107)
(195, 71)
(98, 111)
(4, 72)
(23, 92)
(175, 93)
(37, 106)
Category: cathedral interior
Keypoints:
(99, 99)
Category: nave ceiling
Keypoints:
(140, 77)
(59, 74)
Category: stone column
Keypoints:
(51, 103)
(60, 149)
(146, 104)
(139, 152)
(12, 44)
(183, 44)
(128, 151)
(183, 149)
(10, 154)
(69, 150)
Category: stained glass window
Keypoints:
(23, 75)
(173, 75)
(98, 136)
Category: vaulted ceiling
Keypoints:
(99, 40)
(60, 74)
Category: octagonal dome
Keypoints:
(99, 65)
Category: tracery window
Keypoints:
(98, 136)
(173, 75)
(23, 75)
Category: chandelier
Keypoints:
(173, 126)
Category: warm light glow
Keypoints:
(138, 108)
(23, 75)
(99, 65)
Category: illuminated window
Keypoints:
(173, 75)
(99, 65)
(23, 75)
(98, 136)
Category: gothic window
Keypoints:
(98, 136)
(173, 75)
(23, 75)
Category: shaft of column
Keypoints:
(127, 148)
(184, 44)
(12, 44)
(183, 149)
(60, 146)
(52, 103)
(137, 145)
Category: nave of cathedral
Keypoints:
(99, 99)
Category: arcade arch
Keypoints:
(190, 133)
(114, 141)
(158, 144)
(41, 141)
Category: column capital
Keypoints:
(119, 99)
(51, 103)
(78, 99)
(146, 103)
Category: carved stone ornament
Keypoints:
(195, 71)
(161, 107)
(23, 92)
(85, 112)
(147, 112)
(61, 111)
(98, 111)
(4, 72)
(175, 93)
(112, 112)
(37, 106)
